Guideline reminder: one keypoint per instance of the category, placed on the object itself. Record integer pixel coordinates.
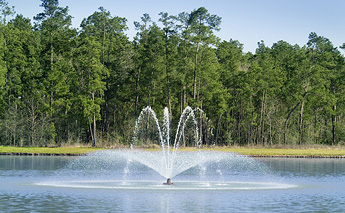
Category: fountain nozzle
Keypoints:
(168, 182)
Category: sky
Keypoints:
(248, 21)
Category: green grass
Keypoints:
(329, 151)
(241, 150)
(285, 152)
(47, 150)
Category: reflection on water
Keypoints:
(26, 185)
(12, 162)
(317, 167)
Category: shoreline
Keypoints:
(40, 154)
(256, 152)
(253, 156)
(295, 156)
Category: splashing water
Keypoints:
(166, 164)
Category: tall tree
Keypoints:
(5, 12)
(202, 24)
(140, 43)
(230, 54)
(22, 85)
(169, 32)
(56, 36)
(327, 66)
(109, 31)
(57, 41)
(89, 83)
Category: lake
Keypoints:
(73, 184)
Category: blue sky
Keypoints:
(248, 21)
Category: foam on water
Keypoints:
(180, 185)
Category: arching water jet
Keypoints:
(168, 148)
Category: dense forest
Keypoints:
(60, 85)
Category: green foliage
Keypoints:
(61, 86)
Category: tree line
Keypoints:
(60, 85)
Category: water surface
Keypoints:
(65, 184)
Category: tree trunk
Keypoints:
(251, 124)
(261, 123)
(290, 113)
(201, 126)
(106, 102)
(91, 132)
(114, 118)
(103, 45)
(184, 105)
(150, 88)
(168, 90)
(270, 131)
(217, 130)
(301, 123)
(151, 79)
(185, 72)
(51, 51)
(5, 52)
(51, 69)
(333, 125)
(287, 120)
(137, 93)
(167, 72)
(7, 75)
(94, 122)
(94, 130)
(333, 115)
(106, 94)
(195, 70)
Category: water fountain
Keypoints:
(141, 169)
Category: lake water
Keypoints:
(73, 184)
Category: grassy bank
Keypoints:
(290, 152)
(47, 150)
(317, 152)
(284, 152)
